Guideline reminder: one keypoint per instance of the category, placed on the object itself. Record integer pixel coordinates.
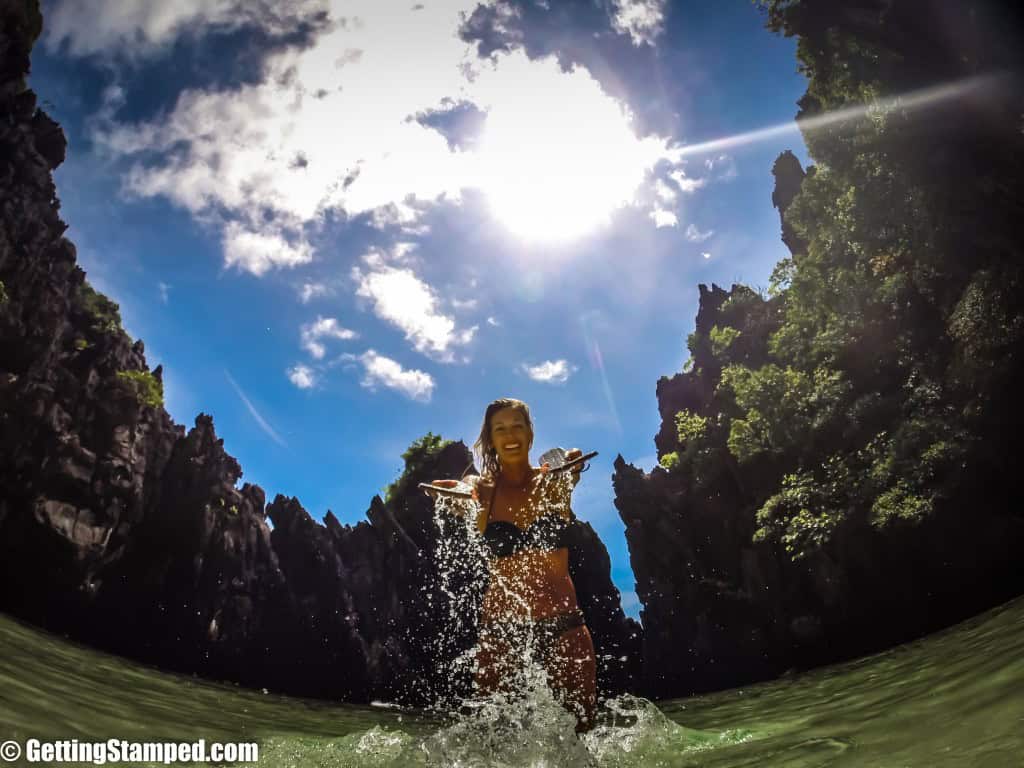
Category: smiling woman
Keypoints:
(529, 610)
(558, 155)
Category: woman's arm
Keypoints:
(445, 488)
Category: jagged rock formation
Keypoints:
(119, 529)
(788, 178)
(711, 618)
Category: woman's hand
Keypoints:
(433, 492)
(574, 453)
(440, 484)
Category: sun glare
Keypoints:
(558, 155)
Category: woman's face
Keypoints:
(511, 436)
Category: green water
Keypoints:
(953, 699)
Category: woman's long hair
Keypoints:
(483, 449)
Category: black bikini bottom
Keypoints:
(544, 633)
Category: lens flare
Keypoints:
(908, 101)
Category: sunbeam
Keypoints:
(923, 97)
(597, 362)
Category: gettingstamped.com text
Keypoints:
(113, 751)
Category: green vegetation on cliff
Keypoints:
(3, 294)
(422, 453)
(872, 386)
(147, 389)
(105, 314)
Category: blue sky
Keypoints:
(344, 224)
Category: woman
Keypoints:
(524, 516)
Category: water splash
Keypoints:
(633, 731)
(529, 729)
(522, 723)
(462, 578)
(525, 727)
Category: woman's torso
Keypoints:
(532, 582)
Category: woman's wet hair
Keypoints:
(483, 449)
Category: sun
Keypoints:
(558, 156)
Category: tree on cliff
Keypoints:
(882, 390)
(420, 456)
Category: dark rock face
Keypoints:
(119, 529)
(198, 575)
(617, 638)
(788, 178)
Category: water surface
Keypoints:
(952, 699)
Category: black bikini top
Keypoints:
(503, 538)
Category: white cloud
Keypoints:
(550, 371)
(399, 297)
(706, 255)
(694, 235)
(493, 321)
(235, 151)
(164, 289)
(141, 28)
(310, 291)
(687, 184)
(664, 192)
(466, 304)
(236, 148)
(302, 376)
(723, 167)
(401, 250)
(348, 56)
(383, 371)
(256, 252)
(663, 218)
(642, 20)
(312, 335)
